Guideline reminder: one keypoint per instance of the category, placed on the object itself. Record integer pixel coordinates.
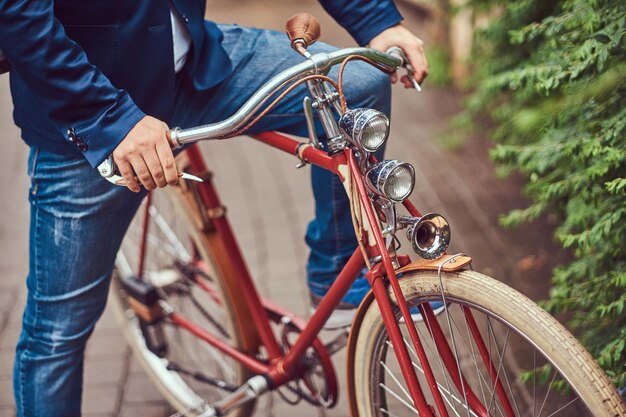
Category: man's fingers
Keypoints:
(167, 162)
(418, 62)
(129, 175)
(413, 47)
(406, 82)
(153, 163)
(420, 76)
(142, 172)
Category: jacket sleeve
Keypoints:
(363, 19)
(76, 96)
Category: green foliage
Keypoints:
(552, 77)
(439, 62)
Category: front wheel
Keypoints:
(513, 356)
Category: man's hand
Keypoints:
(145, 154)
(412, 46)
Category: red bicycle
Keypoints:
(195, 321)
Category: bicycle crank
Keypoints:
(316, 382)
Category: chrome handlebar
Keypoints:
(320, 63)
(317, 64)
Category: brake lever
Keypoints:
(399, 53)
(108, 170)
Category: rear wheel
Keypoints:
(517, 338)
(178, 261)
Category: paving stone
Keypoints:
(145, 410)
(6, 363)
(105, 371)
(100, 400)
(107, 321)
(106, 342)
(6, 393)
(135, 367)
(7, 299)
(7, 411)
(9, 336)
(140, 389)
(14, 317)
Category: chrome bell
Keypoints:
(430, 236)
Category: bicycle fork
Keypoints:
(379, 276)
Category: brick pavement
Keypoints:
(269, 203)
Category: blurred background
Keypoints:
(443, 131)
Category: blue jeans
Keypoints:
(78, 220)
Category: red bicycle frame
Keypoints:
(281, 368)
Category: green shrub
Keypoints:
(552, 77)
(439, 63)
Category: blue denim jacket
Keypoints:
(84, 72)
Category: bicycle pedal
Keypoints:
(163, 278)
(143, 299)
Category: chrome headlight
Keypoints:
(368, 128)
(391, 179)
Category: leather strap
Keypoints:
(449, 264)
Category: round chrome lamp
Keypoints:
(391, 179)
(367, 128)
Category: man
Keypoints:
(90, 78)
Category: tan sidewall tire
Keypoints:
(243, 338)
(574, 362)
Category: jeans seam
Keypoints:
(31, 174)
(36, 313)
(22, 377)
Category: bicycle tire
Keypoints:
(499, 308)
(181, 390)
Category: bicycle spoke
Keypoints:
(497, 350)
(563, 407)
(508, 384)
(170, 255)
(456, 357)
(193, 351)
(500, 357)
(410, 348)
(408, 396)
(449, 394)
(397, 397)
(469, 346)
(534, 370)
(439, 359)
(382, 410)
(547, 394)
(169, 234)
(124, 265)
(163, 245)
(493, 346)
(442, 390)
